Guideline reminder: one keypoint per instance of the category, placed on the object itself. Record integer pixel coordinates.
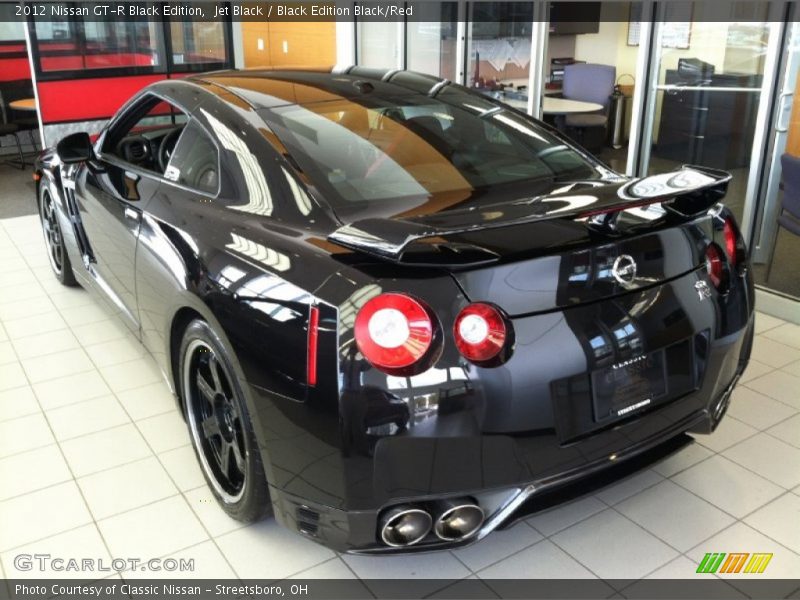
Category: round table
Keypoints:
(23, 104)
(558, 106)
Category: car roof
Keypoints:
(270, 88)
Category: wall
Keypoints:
(289, 44)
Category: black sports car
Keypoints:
(393, 309)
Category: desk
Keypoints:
(558, 106)
(27, 104)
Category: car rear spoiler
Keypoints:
(686, 192)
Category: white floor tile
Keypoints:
(153, 530)
(771, 458)
(25, 291)
(20, 309)
(148, 400)
(544, 560)
(788, 334)
(71, 297)
(779, 385)
(83, 315)
(97, 333)
(21, 518)
(758, 410)
(772, 353)
(740, 537)
(612, 547)
(20, 277)
(129, 486)
(115, 352)
(55, 366)
(729, 432)
(12, 375)
(7, 354)
(208, 564)
(32, 470)
(754, 369)
(71, 389)
(788, 431)
(334, 568)
(682, 460)
(562, 516)
(728, 486)
(211, 515)
(674, 515)
(78, 544)
(87, 416)
(497, 546)
(629, 486)
(680, 568)
(780, 520)
(182, 466)
(3, 334)
(436, 565)
(792, 368)
(17, 402)
(24, 433)
(165, 432)
(45, 343)
(105, 449)
(765, 322)
(20, 328)
(132, 374)
(267, 551)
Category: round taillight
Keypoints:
(394, 332)
(731, 240)
(480, 332)
(715, 266)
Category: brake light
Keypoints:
(480, 332)
(395, 333)
(313, 341)
(715, 266)
(731, 239)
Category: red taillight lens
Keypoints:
(715, 266)
(731, 240)
(394, 332)
(480, 332)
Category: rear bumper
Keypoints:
(467, 439)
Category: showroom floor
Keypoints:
(95, 462)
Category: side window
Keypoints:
(147, 134)
(195, 162)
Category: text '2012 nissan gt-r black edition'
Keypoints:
(392, 309)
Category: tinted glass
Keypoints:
(195, 161)
(198, 42)
(420, 146)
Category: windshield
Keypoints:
(417, 147)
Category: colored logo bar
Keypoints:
(734, 562)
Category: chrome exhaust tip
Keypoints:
(404, 526)
(458, 519)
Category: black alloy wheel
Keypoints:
(54, 241)
(220, 426)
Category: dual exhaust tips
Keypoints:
(456, 520)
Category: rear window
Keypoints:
(417, 146)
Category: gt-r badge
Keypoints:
(624, 269)
(703, 290)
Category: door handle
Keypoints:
(132, 214)
(778, 127)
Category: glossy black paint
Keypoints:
(336, 454)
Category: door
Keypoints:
(113, 190)
(706, 90)
(775, 249)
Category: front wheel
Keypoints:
(219, 423)
(54, 241)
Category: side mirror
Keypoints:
(75, 148)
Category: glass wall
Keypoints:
(431, 45)
(378, 44)
(710, 80)
(499, 44)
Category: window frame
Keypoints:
(163, 39)
(116, 161)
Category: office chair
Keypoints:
(789, 216)
(7, 128)
(588, 83)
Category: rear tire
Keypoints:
(219, 425)
(53, 240)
